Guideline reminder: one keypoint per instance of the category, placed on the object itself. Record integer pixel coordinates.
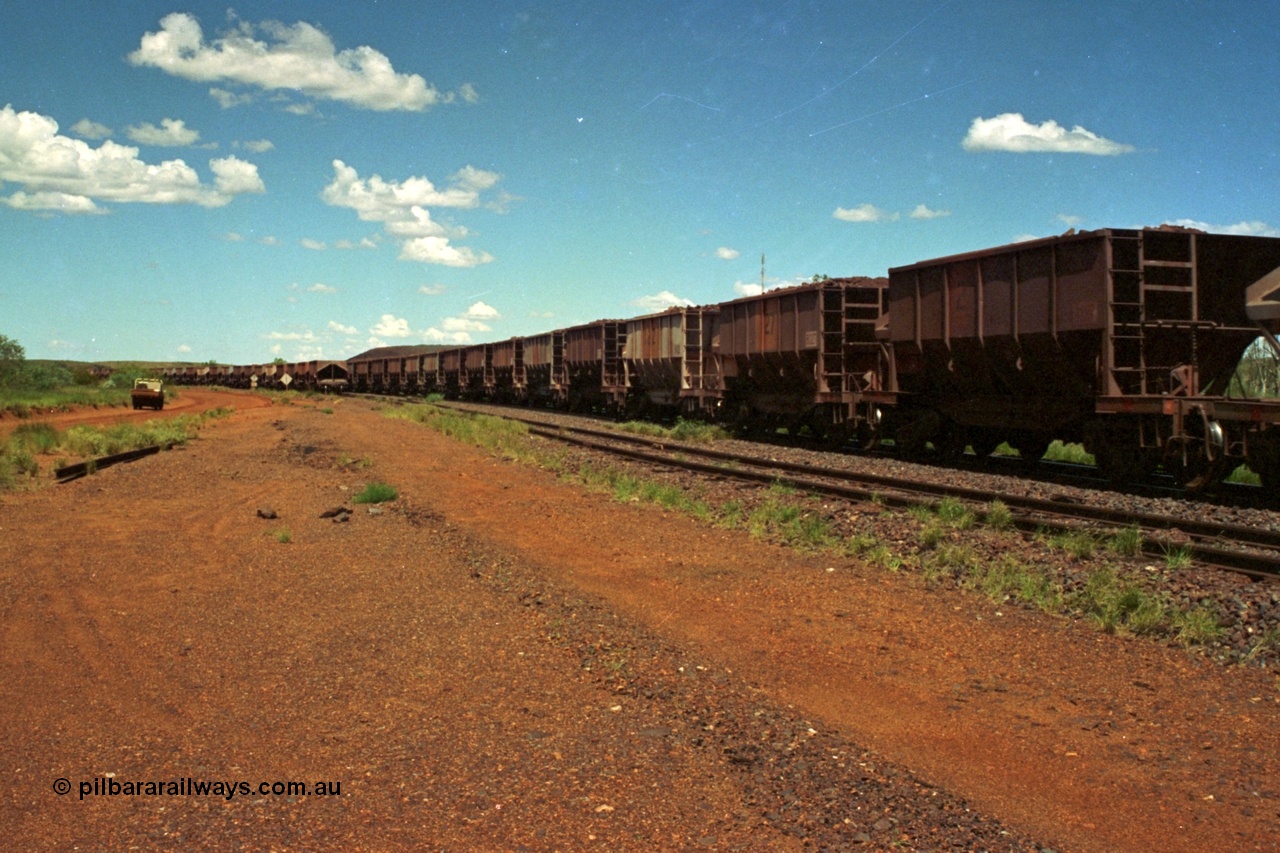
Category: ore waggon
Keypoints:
(1123, 340)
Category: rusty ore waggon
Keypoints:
(1123, 340)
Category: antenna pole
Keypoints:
(762, 270)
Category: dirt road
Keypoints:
(499, 661)
(189, 401)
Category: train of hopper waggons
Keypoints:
(1124, 340)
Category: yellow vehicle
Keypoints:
(147, 394)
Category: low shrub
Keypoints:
(375, 493)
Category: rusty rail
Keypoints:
(67, 473)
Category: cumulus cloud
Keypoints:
(661, 301)
(364, 243)
(391, 326)
(457, 330)
(335, 326)
(275, 56)
(754, 288)
(258, 146)
(90, 129)
(727, 254)
(313, 245)
(438, 336)
(864, 213)
(923, 212)
(1012, 132)
(1250, 228)
(437, 250)
(320, 287)
(173, 133)
(482, 311)
(305, 335)
(183, 348)
(402, 207)
(57, 172)
(233, 176)
(464, 324)
(227, 100)
(431, 289)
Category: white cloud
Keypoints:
(468, 93)
(436, 250)
(55, 201)
(313, 245)
(864, 213)
(402, 208)
(57, 172)
(464, 324)
(258, 146)
(431, 289)
(391, 326)
(457, 330)
(269, 240)
(90, 129)
(743, 288)
(297, 57)
(1011, 132)
(436, 336)
(227, 100)
(318, 287)
(335, 326)
(233, 237)
(234, 176)
(725, 253)
(661, 301)
(306, 335)
(1070, 221)
(364, 243)
(482, 311)
(923, 212)
(184, 349)
(399, 202)
(1251, 228)
(174, 133)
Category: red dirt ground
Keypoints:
(154, 628)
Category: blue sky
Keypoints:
(189, 181)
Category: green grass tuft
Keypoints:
(1127, 542)
(375, 493)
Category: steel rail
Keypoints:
(1028, 513)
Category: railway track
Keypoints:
(1249, 550)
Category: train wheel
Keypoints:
(984, 442)
(1196, 473)
(1031, 446)
(951, 442)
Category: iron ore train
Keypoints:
(1124, 340)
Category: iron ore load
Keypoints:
(1124, 340)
